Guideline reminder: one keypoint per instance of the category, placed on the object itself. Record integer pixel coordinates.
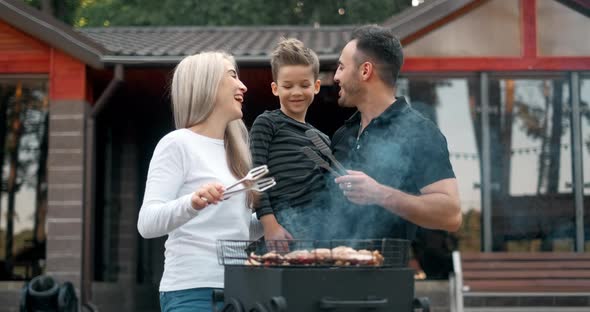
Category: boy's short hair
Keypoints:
(291, 51)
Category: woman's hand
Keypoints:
(210, 193)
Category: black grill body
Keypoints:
(274, 289)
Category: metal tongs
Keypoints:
(319, 160)
(258, 186)
(325, 150)
(254, 176)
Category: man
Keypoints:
(400, 173)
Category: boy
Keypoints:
(291, 208)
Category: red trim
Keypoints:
(529, 27)
(447, 19)
(67, 78)
(17, 63)
(433, 64)
(529, 61)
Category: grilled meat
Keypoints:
(339, 256)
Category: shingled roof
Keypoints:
(247, 44)
(162, 45)
(167, 45)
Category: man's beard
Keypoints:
(342, 102)
(351, 96)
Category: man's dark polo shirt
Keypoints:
(400, 148)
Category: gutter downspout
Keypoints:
(89, 184)
(107, 94)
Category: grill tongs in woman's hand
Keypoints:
(254, 182)
(258, 186)
(252, 175)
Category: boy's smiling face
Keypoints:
(295, 87)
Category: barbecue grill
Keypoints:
(371, 275)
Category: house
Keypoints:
(506, 81)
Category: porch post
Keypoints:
(66, 168)
(486, 184)
(577, 166)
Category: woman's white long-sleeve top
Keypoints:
(183, 161)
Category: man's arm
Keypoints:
(437, 207)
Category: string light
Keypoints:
(513, 152)
(417, 2)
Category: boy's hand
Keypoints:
(273, 232)
(277, 233)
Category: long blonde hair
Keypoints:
(194, 90)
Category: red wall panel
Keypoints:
(67, 78)
(21, 53)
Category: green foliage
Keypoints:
(97, 13)
(64, 10)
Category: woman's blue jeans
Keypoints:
(188, 300)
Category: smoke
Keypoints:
(389, 164)
(332, 216)
(398, 153)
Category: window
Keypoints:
(531, 193)
(23, 193)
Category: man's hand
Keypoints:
(437, 207)
(360, 188)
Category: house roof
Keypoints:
(248, 44)
(52, 31)
(419, 17)
(167, 45)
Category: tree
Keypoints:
(99, 13)
(64, 10)
(23, 117)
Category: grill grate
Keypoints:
(385, 252)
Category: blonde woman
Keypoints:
(185, 184)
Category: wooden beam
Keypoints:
(528, 17)
(450, 64)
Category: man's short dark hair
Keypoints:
(382, 48)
